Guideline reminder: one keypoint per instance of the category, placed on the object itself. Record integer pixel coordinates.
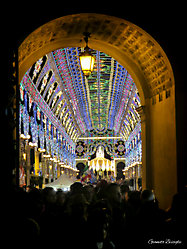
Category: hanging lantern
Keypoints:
(86, 58)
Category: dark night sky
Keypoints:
(164, 22)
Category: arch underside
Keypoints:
(136, 50)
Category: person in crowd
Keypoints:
(177, 216)
(107, 216)
(76, 187)
(124, 192)
(23, 211)
(132, 206)
(113, 196)
(48, 218)
(150, 217)
(88, 191)
(99, 221)
(60, 202)
(74, 221)
(49, 197)
(100, 189)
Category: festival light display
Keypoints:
(58, 104)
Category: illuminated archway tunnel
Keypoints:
(128, 95)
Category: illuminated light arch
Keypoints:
(131, 46)
(150, 69)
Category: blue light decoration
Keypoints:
(41, 127)
(58, 104)
(134, 147)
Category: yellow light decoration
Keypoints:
(107, 166)
(93, 166)
(97, 165)
(103, 166)
(101, 163)
(24, 156)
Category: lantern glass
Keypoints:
(87, 62)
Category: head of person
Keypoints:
(60, 197)
(76, 187)
(147, 196)
(114, 193)
(124, 191)
(49, 195)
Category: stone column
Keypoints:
(43, 169)
(141, 112)
(37, 168)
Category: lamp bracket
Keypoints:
(86, 36)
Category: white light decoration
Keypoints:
(112, 165)
(100, 152)
(103, 165)
(93, 166)
(97, 166)
(107, 166)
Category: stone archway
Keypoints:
(150, 68)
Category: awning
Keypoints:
(63, 182)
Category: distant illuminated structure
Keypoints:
(100, 165)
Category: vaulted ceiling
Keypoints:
(106, 100)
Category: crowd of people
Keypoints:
(104, 216)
